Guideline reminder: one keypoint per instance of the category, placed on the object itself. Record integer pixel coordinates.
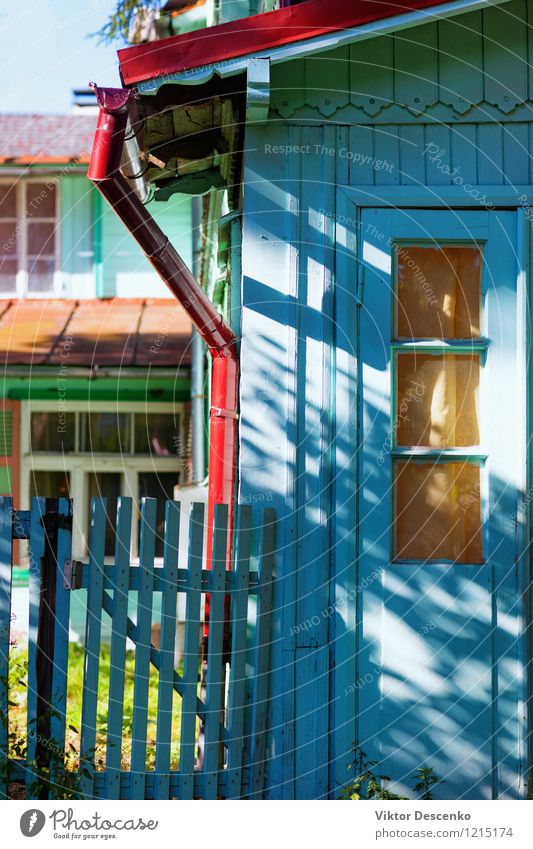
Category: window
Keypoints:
(88, 450)
(29, 244)
(438, 356)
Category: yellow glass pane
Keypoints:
(437, 512)
(437, 400)
(438, 292)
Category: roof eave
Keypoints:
(149, 66)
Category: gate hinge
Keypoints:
(73, 575)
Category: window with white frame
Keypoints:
(29, 237)
(81, 450)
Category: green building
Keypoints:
(95, 355)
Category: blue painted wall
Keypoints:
(301, 446)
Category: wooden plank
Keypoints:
(142, 648)
(361, 142)
(37, 550)
(312, 732)
(121, 571)
(490, 154)
(415, 73)
(262, 654)
(438, 154)
(505, 56)
(215, 672)
(327, 80)
(6, 553)
(239, 627)
(61, 636)
(93, 630)
(412, 160)
(461, 61)
(371, 74)
(464, 156)
(166, 651)
(191, 652)
(387, 154)
(516, 154)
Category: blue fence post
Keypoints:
(37, 549)
(191, 652)
(215, 671)
(142, 648)
(239, 627)
(6, 554)
(117, 661)
(169, 592)
(93, 631)
(61, 614)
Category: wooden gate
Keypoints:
(142, 685)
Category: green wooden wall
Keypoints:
(99, 256)
(126, 272)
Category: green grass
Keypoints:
(18, 701)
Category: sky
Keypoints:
(45, 52)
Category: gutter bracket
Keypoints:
(215, 412)
(257, 90)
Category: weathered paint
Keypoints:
(369, 131)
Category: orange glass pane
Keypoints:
(437, 512)
(437, 400)
(438, 292)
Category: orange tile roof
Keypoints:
(46, 139)
(113, 332)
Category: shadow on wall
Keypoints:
(433, 669)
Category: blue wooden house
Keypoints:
(376, 162)
(367, 182)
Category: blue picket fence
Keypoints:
(227, 712)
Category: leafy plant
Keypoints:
(369, 784)
(425, 779)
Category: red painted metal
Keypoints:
(256, 33)
(218, 336)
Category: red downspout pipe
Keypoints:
(104, 173)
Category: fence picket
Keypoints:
(166, 649)
(121, 575)
(93, 632)
(142, 648)
(191, 652)
(215, 671)
(262, 654)
(37, 549)
(61, 638)
(6, 554)
(48, 527)
(239, 623)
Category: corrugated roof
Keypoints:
(115, 332)
(46, 139)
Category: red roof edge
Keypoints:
(254, 34)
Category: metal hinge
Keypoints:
(73, 575)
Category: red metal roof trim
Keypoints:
(254, 34)
(112, 332)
